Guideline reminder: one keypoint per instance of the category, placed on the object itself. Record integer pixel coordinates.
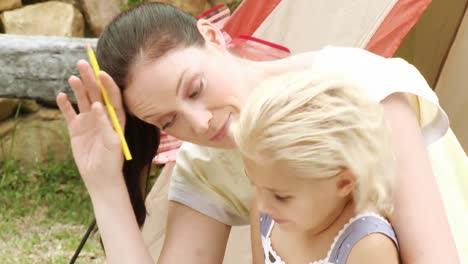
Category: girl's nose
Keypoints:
(263, 204)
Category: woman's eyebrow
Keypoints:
(181, 81)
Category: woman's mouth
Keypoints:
(222, 131)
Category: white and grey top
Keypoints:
(357, 228)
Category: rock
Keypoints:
(9, 4)
(7, 107)
(49, 19)
(31, 2)
(49, 114)
(99, 13)
(6, 127)
(29, 106)
(193, 7)
(37, 139)
(38, 67)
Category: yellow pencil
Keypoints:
(110, 108)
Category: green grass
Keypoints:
(129, 4)
(44, 213)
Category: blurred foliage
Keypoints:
(130, 3)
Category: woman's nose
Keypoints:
(199, 120)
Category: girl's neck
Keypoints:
(331, 226)
(335, 224)
(303, 247)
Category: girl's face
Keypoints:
(295, 202)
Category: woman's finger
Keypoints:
(65, 107)
(89, 80)
(115, 97)
(105, 125)
(81, 94)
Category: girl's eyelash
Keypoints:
(282, 198)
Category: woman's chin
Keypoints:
(225, 144)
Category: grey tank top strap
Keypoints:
(357, 230)
(265, 224)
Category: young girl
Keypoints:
(317, 149)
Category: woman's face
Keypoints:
(192, 94)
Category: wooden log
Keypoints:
(38, 67)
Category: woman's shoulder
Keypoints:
(338, 59)
(380, 77)
(350, 53)
(208, 161)
(202, 153)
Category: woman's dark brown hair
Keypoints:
(142, 34)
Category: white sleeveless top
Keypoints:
(212, 181)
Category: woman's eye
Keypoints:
(169, 124)
(196, 92)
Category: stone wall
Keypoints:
(32, 131)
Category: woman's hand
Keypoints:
(95, 145)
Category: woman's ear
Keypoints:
(211, 33)
(345, 183)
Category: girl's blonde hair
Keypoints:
(319, 125)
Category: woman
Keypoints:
(177, 75)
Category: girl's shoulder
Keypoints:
(363, 236)
(373, 248)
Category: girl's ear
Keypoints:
(211, 33)
(345, 183)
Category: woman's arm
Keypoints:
(192, 237)
(118, 227)
(419, 218)
(96, 149)
(257, 251)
